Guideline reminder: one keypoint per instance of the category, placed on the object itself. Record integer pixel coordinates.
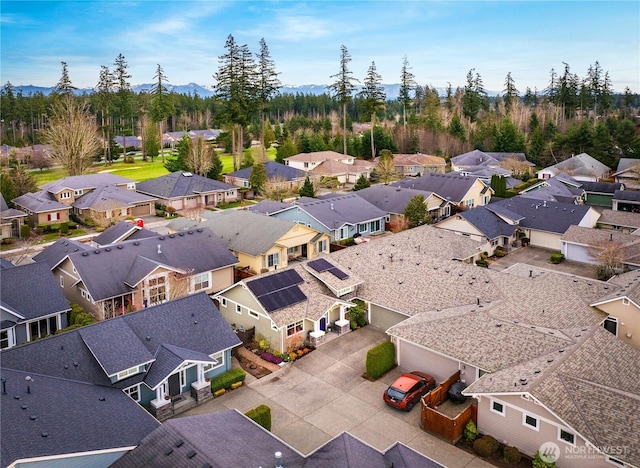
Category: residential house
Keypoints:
(463, 192)
(126, 142)
(292, 306)
(340, 217)
(107, 205)
(581, 167)
(573, 403)
(412, 165)
(209, 134)
(308, 161)
(42, 209)
(271, 247)
(116, 279)
(485, 174)
(220, 438)
(623, 221)
(614, 249)
(184, 191)
(347, 169)
(626, 200)
(559, 188)
(394, 200)
(279, 176)
(123, 231)
(600, 193)
(32, 305)
(482, 225)
(160, 357)
(473, 160)
(11, 220)
(543, 222)
(622, 305)
(69, 189)
(628, 173)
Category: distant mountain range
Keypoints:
(391, 90)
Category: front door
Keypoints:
(323, 324)
(174, 385)
(304, 250)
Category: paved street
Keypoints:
(324, 394)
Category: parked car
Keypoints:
(407, 390)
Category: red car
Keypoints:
(407, 390)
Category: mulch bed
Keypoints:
(252, 368)
(497, 458)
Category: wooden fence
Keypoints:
(435, 422)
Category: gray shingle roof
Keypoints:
(31, 291)
(336, 212)
(113, 270)
(449, 186)
(543, 215)
(268, 207)
(85, 182)
(620, 218)
(123, 231)
(178, 185)
(110, 197)
(167, 360)
(488, 223)
(39, 202)
(580, 165)
(274, 170)
(390, 199)
(627, 195)
(601, 187)
(474, 158)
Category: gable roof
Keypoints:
(8, 213)
(626, 164)
(392, 199)
(181, 184)
(601, 187)
(474, 158)
(113, 271)
(39, 202)
(418, 159)
(488, 223)
(627, 195)
(449, 186)
(123, 231)
(579, 165)
(110, 197)
(546, 216)
(87, 181)
(620, 218)
(318, 156)
(338, 211)
(268, 207)
(559, 188)
(274, 170)
(31, 291)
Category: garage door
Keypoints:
(384, 319)
(411, 357)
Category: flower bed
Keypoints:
(270, 358)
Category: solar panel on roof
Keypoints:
(279, 290)
(338, 273)
(320, 265)
(283, 298)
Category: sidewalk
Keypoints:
(324, 394)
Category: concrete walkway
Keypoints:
(324, 394)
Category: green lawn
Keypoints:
(141, 170)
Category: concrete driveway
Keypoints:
(324, 394)
(539, 257)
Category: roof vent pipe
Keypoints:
(278, 456)
(159, 250)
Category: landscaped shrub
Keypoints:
(499, 252)
(24, 231)
(486, 446)
(261, 415)
(470, 431)
(224, 380)
(358, 313)
(64, 228)
(512, 455)
(556, 257)
(538, 462)
(482, 263)
(380, 359)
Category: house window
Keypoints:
(201, 281)
(77, 193)
(611, 324)
(495, 241)
(497, 407)
(183, 378)
(245, 184)
(253, 314)
(292, 250)
(131, 185)
(306, 165)
(223, 301)
(218, 357)
(362, 227)
(344, 232)
(322, 245)
(470, 203)
(43, 327)
(374, 226)
(133, 392)
(625, 301)
(530, 421)
(5, 341)
(273, 260)
(295, 328)
(566, 436)
(53, 216)
(238, 308)
(65, 195)
(61, 281)
(157, 290)
(127, 372)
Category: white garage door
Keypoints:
(412, 357)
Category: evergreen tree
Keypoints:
(179, 162)
(510, 93)
(216, 167)
(373, 97)
(258, 177)
(342, 89)
(64, 86)
(247, 160)
(508, 139)
(151, 142)
(104, 94)
(286, 150)
(470, 99)
(161, 103)
(499, 185)
(307, 189)
(456, 128)
(123, 94)
(407, 84)
(268, 85)
(361, 183)
(415, 213)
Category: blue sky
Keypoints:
(442, 40)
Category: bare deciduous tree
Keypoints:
(73, 135)
(178, 284)
(193, 213)
(200, 157)
(610, 257)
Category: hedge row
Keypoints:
(261, 415)
(225, 379)
(380, 359)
